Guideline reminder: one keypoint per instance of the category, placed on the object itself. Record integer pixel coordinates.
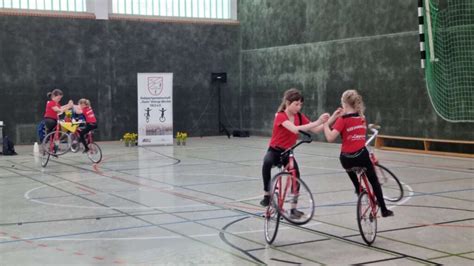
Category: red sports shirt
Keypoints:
(352, 128)
(282, 137)
(89, 115)
(49, 112)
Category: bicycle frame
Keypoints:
(290, 168)
(54, 137)
(365, 185)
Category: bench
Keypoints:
(459, 148)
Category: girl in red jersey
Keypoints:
(53, 109)
(84, 108)
(288, 121)
(349, 122)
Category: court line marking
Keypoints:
(52, 238)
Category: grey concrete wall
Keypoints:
(100, 60)
(324, 47)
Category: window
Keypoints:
(50, 5)
(210, 9)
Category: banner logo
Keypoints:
(155, 85)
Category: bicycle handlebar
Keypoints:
(375, 130)
(308, 139)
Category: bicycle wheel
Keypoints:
(44, 157)
(391, 186)
(272, 221)
(292, 198)
(94, 153)
(75, 144)
(366, 218)
(60, 145)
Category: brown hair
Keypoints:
(54, 92)
(85, 101)
(290, 95)
(354, 100)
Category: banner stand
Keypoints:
(155, 108)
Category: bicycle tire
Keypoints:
(392, 187)
(286, 199)
(366, 220)
(94, 153)
(44, 158)
(75, 144)
(61, 146)
(272, 221)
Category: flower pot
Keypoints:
(127, 143)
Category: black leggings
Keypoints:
(273, 158)
(361, 158)
(49, 124)
(84, 132)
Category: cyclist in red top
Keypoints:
(288, 121)
(349, 122)
(54, 109)
(84, 108)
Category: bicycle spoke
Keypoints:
(272, 220)
(367, 218)
(292, 198)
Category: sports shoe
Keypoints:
(265, 201)
(85, 151)
(295, 214)
(387, 213)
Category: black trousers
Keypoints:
(50, 123)
(84, 132)
(273, 158)
(361, 158)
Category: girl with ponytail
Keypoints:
(286, 125)
(349, 122)
(54, 109)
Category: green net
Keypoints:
(450, 58)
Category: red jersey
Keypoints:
(352, 128)
(49, 112)
(89, 115)
(282, 137)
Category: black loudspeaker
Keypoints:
(222, 77)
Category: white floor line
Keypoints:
(163, 237)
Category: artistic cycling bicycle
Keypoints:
(367, 207)
(290, 197)
(60, 141)
(94, 153)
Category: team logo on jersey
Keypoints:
(155, 85)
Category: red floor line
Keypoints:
(86, 190)
(175, 193)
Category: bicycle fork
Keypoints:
(370, 195)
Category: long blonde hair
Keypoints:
(354, 100)
(290, 95)
(85, 101)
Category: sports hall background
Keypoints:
(322, 47)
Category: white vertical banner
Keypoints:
(155, 108)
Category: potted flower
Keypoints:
(130, 139)
(184, 136)
(178, 138)
(181, 138)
